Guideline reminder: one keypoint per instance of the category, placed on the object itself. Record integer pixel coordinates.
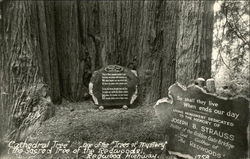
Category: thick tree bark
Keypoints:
(47, 54)
(157, 54)
(65, 41)
(19, 67)
(194, 40)
(28, 57)
(138, 35)
(74, 59)
(68, 40)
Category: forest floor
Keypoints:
(82, 122)
(78, 123)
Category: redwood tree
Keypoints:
(19, 67)
(28, 58)
(62, 42)
(139, 35)
(194, 40)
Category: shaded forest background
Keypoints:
(51, 48)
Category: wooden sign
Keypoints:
(113, 86)
(202, 125)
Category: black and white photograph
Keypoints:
(124, 79)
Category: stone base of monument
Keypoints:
(125, 107)
(113, 86)
(101, 107)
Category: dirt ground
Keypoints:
(83, 122)
(77, 123)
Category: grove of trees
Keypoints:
(61, 43)
(230, 61)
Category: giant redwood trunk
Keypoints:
(194, 40)
(28, 58)
(135, 34)
(157, 49)
(142, 35)
(139, 35)
(47, 53)
(74, 59)
(148, 36)
(19, 67)
(63, 42)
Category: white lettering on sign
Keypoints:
(114, 86)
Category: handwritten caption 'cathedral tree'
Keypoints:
(101, 150)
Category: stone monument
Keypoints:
(203, 125)
(113, 85)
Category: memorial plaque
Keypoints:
(202, 125)
(113, 86)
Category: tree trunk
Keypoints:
(68, 40)
(138, 35)
(47, 54)
(28, 58)
(157, 54)
(19, 67)
(74, 59)
(194, 40)
(63, 42)
(142, 35)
